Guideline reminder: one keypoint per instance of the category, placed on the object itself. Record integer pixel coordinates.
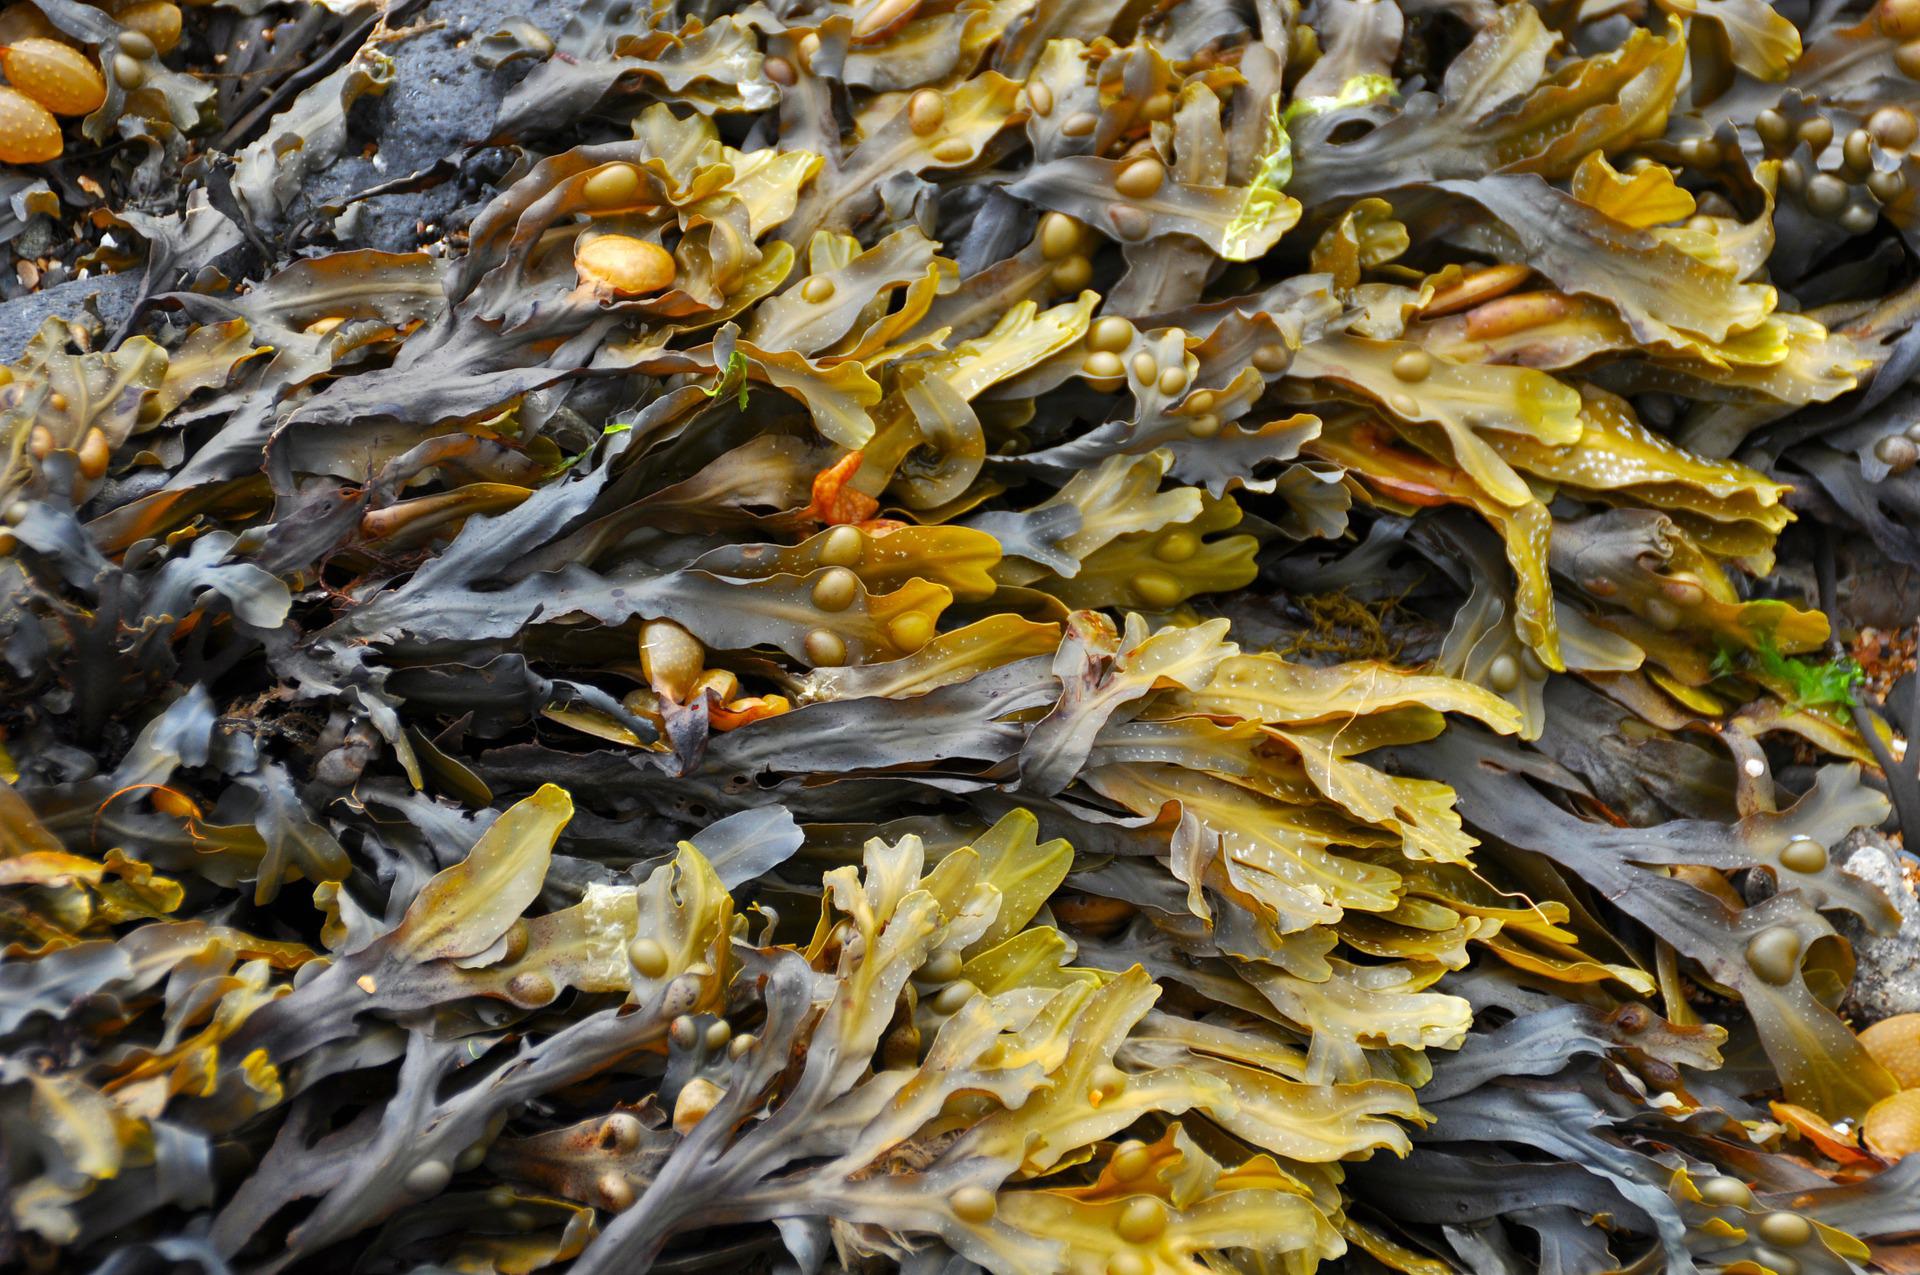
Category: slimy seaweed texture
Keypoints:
(1026, 636)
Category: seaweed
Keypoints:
(1037, 637)
(1808, 683)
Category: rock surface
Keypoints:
(441, 104)
(20, 318)
(1888, 978)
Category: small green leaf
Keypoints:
(732, 380)
(1809, 683)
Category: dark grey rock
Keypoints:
(37, 240)
(441, 104)
(21, 318)
(1887, 981)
